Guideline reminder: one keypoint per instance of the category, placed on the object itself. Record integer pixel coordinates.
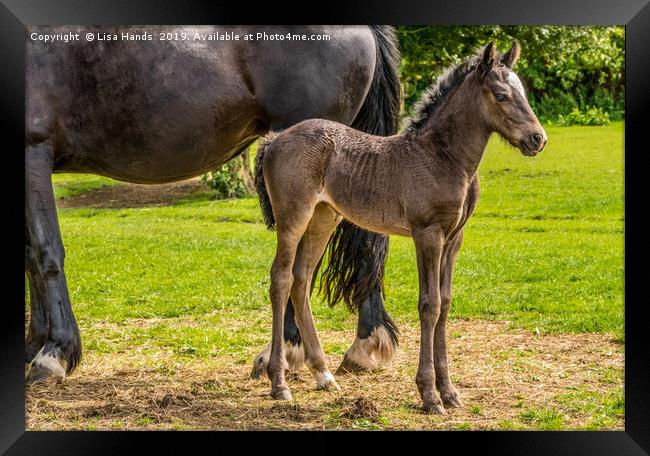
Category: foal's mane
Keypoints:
(433, 97)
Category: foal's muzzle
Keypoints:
(534, 143)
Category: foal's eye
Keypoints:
(501, 97)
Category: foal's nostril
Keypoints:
(537, 140)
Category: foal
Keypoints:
(421, 183)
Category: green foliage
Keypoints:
(226, 181)
(592, 116)
(562, 67)
(69, 185)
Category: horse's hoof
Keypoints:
(282, 395)
(451, 398)
(31, 350)
(349, 367)
(47, 369)
(326, 381)
(293, 354)
(41, 374)
(259, 367)
(434, 408)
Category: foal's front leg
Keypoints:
(428, 245)
(448, 392)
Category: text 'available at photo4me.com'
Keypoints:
(73, 36)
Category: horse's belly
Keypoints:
(149, 165)
(159, 150)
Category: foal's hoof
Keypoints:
(451, 398)
(434, 408)
(46, 369)
(282, 395)
(326, 381)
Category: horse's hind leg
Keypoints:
(356, 267)
(61, 346)
(448, 392)
(310, 251)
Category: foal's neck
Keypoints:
(457, 134)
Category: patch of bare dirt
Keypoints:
(135, 195)
(499, 372)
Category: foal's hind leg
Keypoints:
(49, 293)
(290, 228)
(448, 392)
(310, 250)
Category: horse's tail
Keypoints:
(379, 114)
(356, 256)
(260, 185)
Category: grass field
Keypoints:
(176, 297)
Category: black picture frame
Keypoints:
(634, 14)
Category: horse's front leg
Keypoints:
(61, 350)
(428, 245)
(38, 312)
(448, 392)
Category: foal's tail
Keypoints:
(260, 186)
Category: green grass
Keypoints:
(546, 419)
(603, 409)
(543, 250)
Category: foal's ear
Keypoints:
(487, 62)
(511, 57)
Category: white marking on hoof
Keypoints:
(260, 362)
(325, 380)
(295, 355)
(372, 351)
(50, 363)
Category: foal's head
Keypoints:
(503, 101)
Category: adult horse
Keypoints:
(175, 105)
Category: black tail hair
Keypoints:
(260, 185)
(356, 256)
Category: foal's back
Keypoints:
(367, 179)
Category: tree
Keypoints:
(233, 179)
(563, 68)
